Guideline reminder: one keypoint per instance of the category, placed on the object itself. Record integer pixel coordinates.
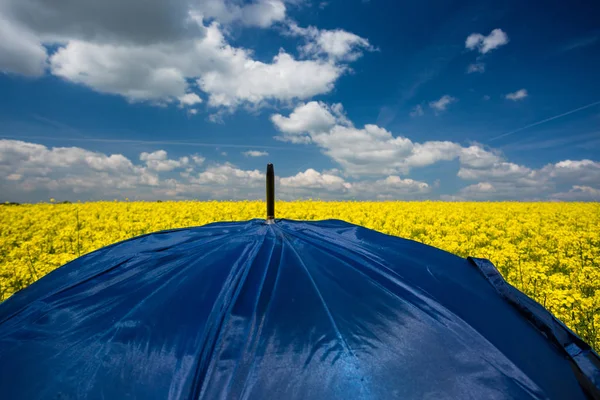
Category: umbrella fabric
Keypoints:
(290, 310)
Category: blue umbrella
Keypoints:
(280, 309)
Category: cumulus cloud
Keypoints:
(312, 117)
(478, 190)
(107, 21)
(375, 151)
(255, 153)
(156, 51)
(569, 171)
(513, 181)
(370, 150)
(198, 159)
(31, 172)
(315, 180)
(259, 13)
(392, 187)
(477, 163)
(225, 173)
(159, 162)
(578, 193)
(312, 183)
(334, 44)
(284, 79)
(485, 44)
(518, 95)
(442, 103)
(33, 167)
(500, 170)
(190, 99)
(20, 50)
(160, 72)
(499, 178)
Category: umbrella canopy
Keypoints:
(278, 309)
(288, 310)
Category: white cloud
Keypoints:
(499, 170)
(477, 157)
(506, 190)
(158, 161)
(428, 153)
(315, 180)
(417, 111)
(370, 150)
(442, 103)
(137, 73)
(312, 117)
(312, 183)
(227, 174)
(259, 13)
(255, 153)
(476, 67)
(579, 193)
(190, 99)
(107, 21)
(518, 95)
(486, 97)
(485, 44)
(335, 44)
(285, 79)
(569, 171)
(198, 159)
(509, 180)
(29, 167)
(153, 50)
(30, 172)
(160, 72)
(374, 151)
(513, 181)
(20, 51)
(478, 189)
(392, 187)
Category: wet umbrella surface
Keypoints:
(283, 310)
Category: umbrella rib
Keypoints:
(260, 327)
(68, 287)
(314, 284)
(211, 340)
(384, 271)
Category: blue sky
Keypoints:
(349, 99)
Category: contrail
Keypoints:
(159, 142)
(546, 120)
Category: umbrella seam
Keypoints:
(314, 284)
(266, 314)
(212, 340)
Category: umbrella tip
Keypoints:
(270, 194)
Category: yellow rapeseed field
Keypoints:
(550, 251)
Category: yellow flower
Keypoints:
(550, 251)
